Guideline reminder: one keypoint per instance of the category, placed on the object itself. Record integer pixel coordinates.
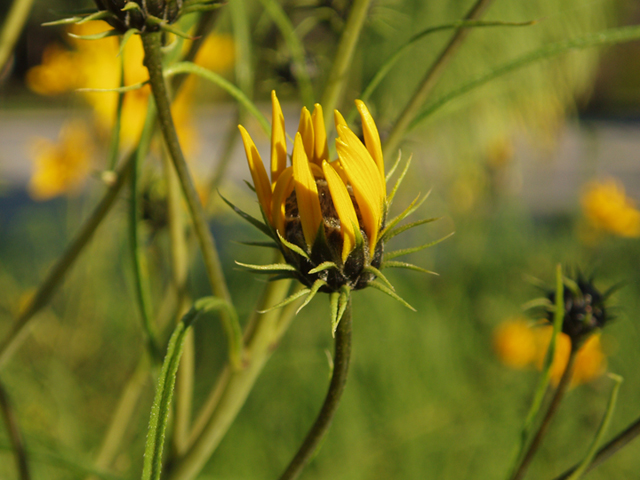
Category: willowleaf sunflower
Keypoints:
(327, 217)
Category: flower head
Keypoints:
(327, 217)
(607, 208)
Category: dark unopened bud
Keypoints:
(144, 15)
(584, 309)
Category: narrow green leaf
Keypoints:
(394, 168)
(287, 300)
(62, 21)
(597, 39)
(235, 92)
(128, 88)
(408, 266)
(317, 285)
(333, 306)
(406, 251)
(125, 38)
(604, 425)
(101, 15)
(165, 27)
(162, 401)
(266, 244)
(95, 36)
(252, 220)
(413, 206)
(537, 303)
(392, 233)
(391, 293)
(343, 302)
(131, 6)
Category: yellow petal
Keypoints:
(371, 137)
(338, 168)
(278, 139)
(281, 191)
(321, 149)
(339, 119)
(305, 128)
(258, 172)
(344, 206)
(306, 192)
(364, 178)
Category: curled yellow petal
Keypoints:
(306, 192)
(258, 172)
(305, 129)
(278, 139)
(364, 178)
(371, 137)
(321, 149)
(281, 191)
(344, 207)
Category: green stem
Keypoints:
(234, 386)
(430, 80)
(565, 380)
(12, 27)
(344, 55)
(15, 437)
(617, 443)
(227, 150)
(56, 274)
(139, 261)
(153, 61)
(114, 145)
(320, 427)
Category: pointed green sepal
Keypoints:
(176, 31)
(128, 88)
(406, 251)
(572, 285)
(287, 300)
(252, 220)
(391, 293)
(611, 290)
(333, 306)
(62, 21)
(399, 181)
(125, 38)
(343, 301)
(378, 274)
(272, 268)
(101, 15)
(541, 302)
(317, 285)
(323, 266)
(131, 6)
(408, 266)
(292, 247)
(266, 244)
(95, 36)
(413, 206)
(394, 168)
(397, 231)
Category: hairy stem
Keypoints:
(321, 426)
(565, 380)
(430, 80)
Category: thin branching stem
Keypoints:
(321, 426)
(14, 434)
(430, 80)
(153, 61)
(565, 380)
(616, 444)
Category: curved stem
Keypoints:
(12, 27)
(319, 429)
(153, 61)
(430, 80)
(621, 440)
(14, 435)
(544, 425)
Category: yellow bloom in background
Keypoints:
(521, 345)
(61, 167)
(216, 53)
(607, 208)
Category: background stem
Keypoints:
(12, 28)
(544, 425)
(14, 435)
(430, 80)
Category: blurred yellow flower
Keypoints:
(520, 345)
(216, 53)
(607, 208)
(61, 167)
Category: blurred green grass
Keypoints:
(426, 397)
